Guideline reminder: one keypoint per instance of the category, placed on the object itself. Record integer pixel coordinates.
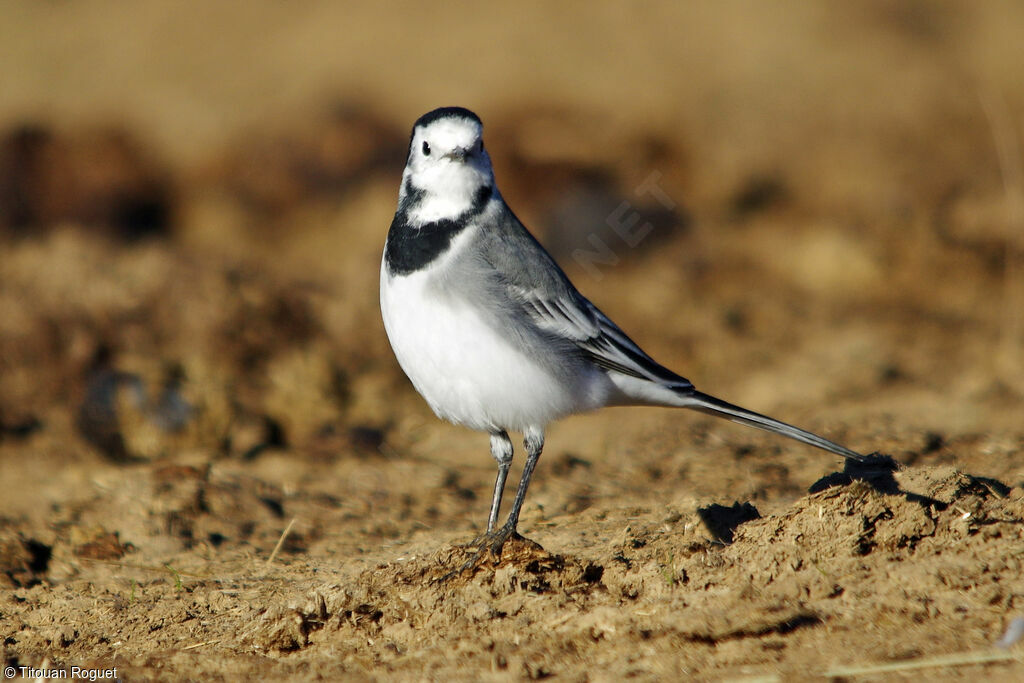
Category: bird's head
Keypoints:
(448, 169)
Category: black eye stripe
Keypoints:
(426, 149)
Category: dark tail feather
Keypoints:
(713, 406)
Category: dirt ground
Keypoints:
(212, 468)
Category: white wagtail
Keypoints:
(488, 327)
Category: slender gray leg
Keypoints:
(533, 440)
(494, 541)
(501, 450)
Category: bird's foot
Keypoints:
(491, 548)
(506, 540)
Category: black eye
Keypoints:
(426, 149)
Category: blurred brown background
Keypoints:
(194, 198)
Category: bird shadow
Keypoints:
(721, 521)
(878, 471)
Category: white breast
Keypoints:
(468, 372)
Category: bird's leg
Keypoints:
(533, 440)
(494, 540)
(501, 450)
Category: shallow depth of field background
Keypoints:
(816, 212)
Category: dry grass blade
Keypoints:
(956, 659)
(280, 542)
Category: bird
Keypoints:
(489, 329)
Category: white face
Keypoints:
(448, 163)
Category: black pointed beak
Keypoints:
(457, 154)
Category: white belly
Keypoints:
(467, 372)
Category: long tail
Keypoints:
(705, 403)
